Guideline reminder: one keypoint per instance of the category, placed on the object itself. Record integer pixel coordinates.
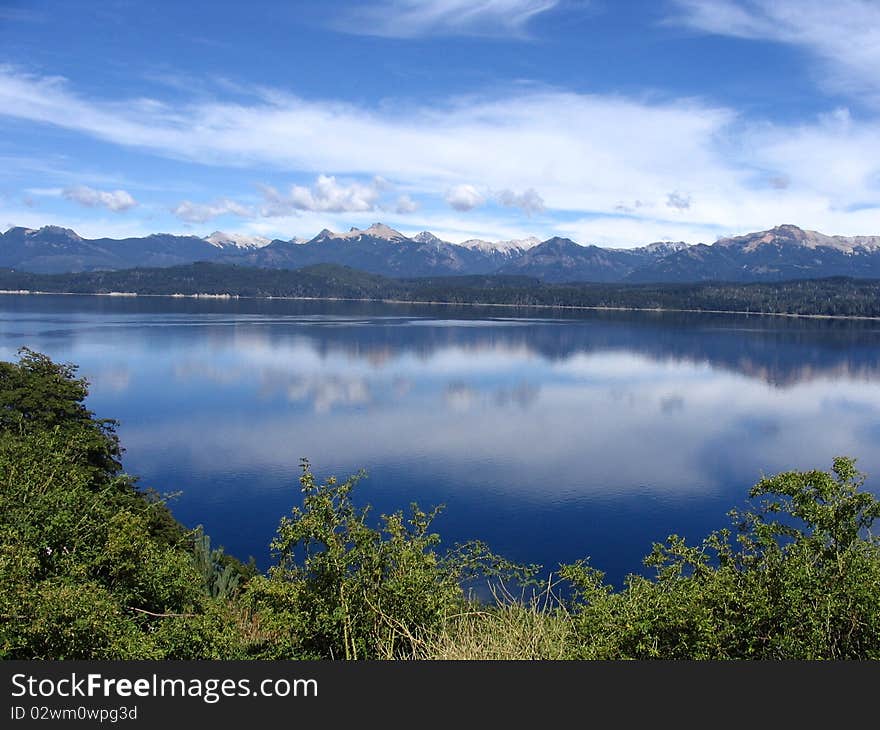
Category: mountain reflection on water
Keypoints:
(552, 434)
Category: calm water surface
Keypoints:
(551, 435)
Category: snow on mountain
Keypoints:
(236, 240)
(783, 252)
(428, 237)
(521, 243)
(379, 230)
(860, 243)
(376, 231)
(512, 246)
(663, 248)
(790, 235)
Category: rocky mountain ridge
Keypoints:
(783, 252)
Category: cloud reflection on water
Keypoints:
(567, 435)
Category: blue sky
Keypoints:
(616, 123)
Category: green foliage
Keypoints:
(801, 580)
(219, 577)
(215, 632)
(60, 618)
(278, 624)
(90, 567)
(830, 512)
(366, 592)
(37, 393)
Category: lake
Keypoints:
(553, 435)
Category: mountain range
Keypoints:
(782, 253)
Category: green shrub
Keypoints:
(800, 581)
(362, 591)
(90, 566)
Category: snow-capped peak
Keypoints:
(377, 230)
(236, 240)
(427, 237)
(788, 234)
(522, 243)
(511, 246)
(663, 248)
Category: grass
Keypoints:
(511, 628)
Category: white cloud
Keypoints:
(201, 212)
(115, 200)
(529, 202)
(585, 151)
(326, 195)
(591, 156)
(414, 18)
(843, 34)
(405, 204)
(464, 197)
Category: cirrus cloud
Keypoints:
(843, 34)
(415, 18)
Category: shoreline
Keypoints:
(574, 307)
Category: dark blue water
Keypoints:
(551, 435)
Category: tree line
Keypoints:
(837, 296)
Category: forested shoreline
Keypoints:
(95, 566)
(833, 297)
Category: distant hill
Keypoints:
(52, 249)
(561, 259)
(782, 253)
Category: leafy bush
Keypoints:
(90, 566)
(800, 581)
(366, 592)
